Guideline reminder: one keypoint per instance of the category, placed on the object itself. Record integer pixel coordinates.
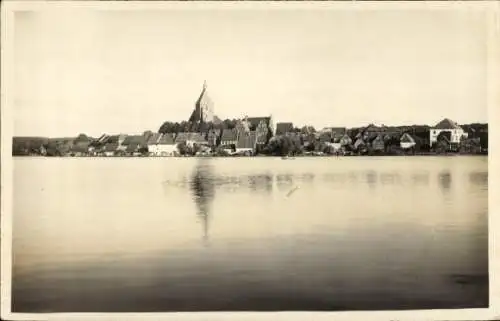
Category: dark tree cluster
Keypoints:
(184, 126)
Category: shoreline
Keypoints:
(262, 156)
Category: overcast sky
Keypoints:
(90, 71)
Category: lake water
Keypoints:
(260, 234)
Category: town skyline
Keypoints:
(92, 71)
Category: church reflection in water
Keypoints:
(202, 187)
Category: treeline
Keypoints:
(169, 127)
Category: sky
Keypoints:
(99, 71)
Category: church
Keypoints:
(204, 109)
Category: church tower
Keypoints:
(204, 108)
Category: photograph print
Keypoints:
(248, 158)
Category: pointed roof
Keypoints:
(167, 139)
(153, 139)
(447, 124)
(247, 140)
(204, 99)
(255, 121)
(229, 135)
(407, 138)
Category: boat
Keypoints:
(287, 157)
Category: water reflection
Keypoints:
(444, 179)
(420, 178)
(479, 178)
(390, 178)
(284, 181)
(263, 182)
(203, 188)
(371, 179)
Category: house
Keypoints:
(407, 141)
(338, 132)
(360, 145)
(371, 131)
(110, 149)
(447, 125)
(213, 137)
(325, 137)
(162, 144)
(80, 149)
(378, 144)
(80, 145)
(242, 126)
(345, 140)
(132, 144)
(123, 142)
(247, 143)
(229, 138)
(470, 146)
(166, 145)
(284, 128)
(262, 124)
(444, 143)
(190, 139)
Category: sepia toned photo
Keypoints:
(246, 158)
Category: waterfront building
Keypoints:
(449, 126)
(378, 144)
(213, 137)
(262, 125)
(407, 141)
(162, 144)
(190, 139)
(345, 140)
(247, 143)
(229, 138)
(284, 128)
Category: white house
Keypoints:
(407, 141)
(447, 125)
(162, 145)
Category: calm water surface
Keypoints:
(172, 234)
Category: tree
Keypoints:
(307, 130)
(184, 149)
(144, 150)
(282, 146)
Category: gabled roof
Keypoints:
(359, 142)
(229, 135)
(153, 139)
(80, 148)
(247, 140)
(167, 139)
(112, 139)
(376, 138)
(134, 139)
(446, 124)
(191, 136)
(254, 121)
(407, 138)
